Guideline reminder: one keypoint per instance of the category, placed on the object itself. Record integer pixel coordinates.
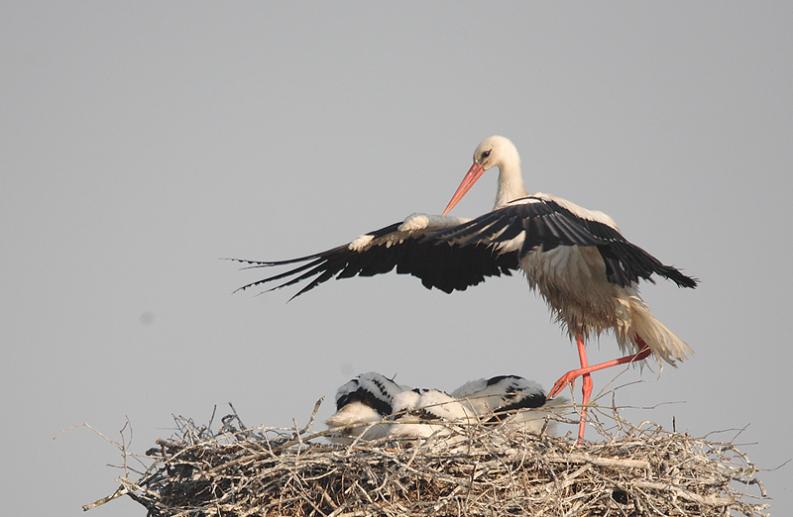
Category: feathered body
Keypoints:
(372, 406)
(491, 395)
(361, 406)
(509, 399)
(576, 259)
(424, 412)
(579, 286)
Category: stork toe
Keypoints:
(564, 380)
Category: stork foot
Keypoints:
(571, 376)
(564, 380)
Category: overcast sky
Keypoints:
(141, 141)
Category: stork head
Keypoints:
(493, 151)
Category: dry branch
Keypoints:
(479, 470)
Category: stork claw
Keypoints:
(563, 381)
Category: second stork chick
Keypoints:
(509, 398)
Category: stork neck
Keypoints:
(510, 184)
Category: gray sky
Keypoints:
(142, 141)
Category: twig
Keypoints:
(467, 470)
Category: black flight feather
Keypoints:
(454, 258)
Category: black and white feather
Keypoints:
(423, 412)
(509, 399)
(451, 256)
(577, 259)
(362, 404)
(500, 394)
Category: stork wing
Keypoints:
(437, 262)
(626, 263)
(454, 257)
(544, 221)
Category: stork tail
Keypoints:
(639, 321)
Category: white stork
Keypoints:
(362, 404)
(577, 260)
(426, 412)
(511, 399)
(500, 393)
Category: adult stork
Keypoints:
(577, 260)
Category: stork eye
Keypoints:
(486, 153)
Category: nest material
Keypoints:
(485, 470)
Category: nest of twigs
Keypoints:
(479, 469)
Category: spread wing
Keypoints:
(438, 262)
(451, 257)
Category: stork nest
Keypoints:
(486, 470)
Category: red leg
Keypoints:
(586, 389)
(570, 376)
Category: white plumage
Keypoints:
(487, 395)
(422, 412)
(372, 406)
(512, 400)
(362, 404)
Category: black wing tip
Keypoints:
(681, 279)
(245, 287)
(243, 261)
(689, 282)
(250, 263)
(270, 263)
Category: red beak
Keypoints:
(473, 174)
